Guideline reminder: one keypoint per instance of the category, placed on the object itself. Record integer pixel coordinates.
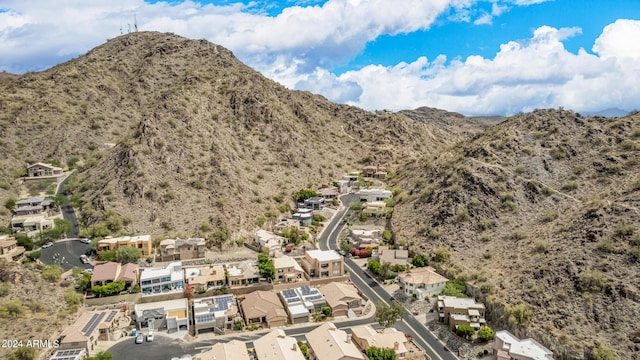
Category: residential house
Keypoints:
(69, 354)
(85, 332)
(32, 225)
(181, 249)
(172, 315)
(276, 345)
(301, 302)
(287, 270)
(314, 203)
(365, 336)
(369, 171)
(263, 308)
(375, 207)
(342, 185)
(140, 242)
(322, 263)
(421, 282)
(393, 256)
(328, 192)
(351, 178)
(285, 223)
(460, 311)
(231, 350)
(203, 278)
(508, 347)
(365, 236)
(304, 216)
(9, 249)
(342, 298)
(330, 343)
(112, 271)
(217, 313)
(42, 170)
(269, 240)
(369, 195)
(34, 205)
(242, 273)
(154, 281)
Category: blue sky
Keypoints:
(477, 57)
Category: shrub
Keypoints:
(591, 281)
(541, 246)
(518, 314)
(606, 245)
(442, 254)
(52, 273)
(485, 334)
(549, 216)
(455, 288)
(569, 186)
(72, 298)
(12, 309)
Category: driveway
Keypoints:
(162, 348)
(66, 253)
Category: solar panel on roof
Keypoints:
(289, 293)
(93, 322)
(292, 300)
(204, 318)
(305, 289)
(315, 297)
(111, 316)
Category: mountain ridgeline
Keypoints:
(171, 137)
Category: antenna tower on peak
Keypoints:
(135, 23)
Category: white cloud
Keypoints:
(538, 73)
(497, 9)
(484, 19)
(619, 40)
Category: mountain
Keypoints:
(176, 137)
(610, 113)
(538, 213)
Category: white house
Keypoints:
(508, 347)
(421, 282)
(369, 195)
(156, 281)
(266, 239)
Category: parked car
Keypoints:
(140, 338)
(85, 241)
(90, 271)
(88, 252)
(150, 336)
(84, 259)
(47, 245)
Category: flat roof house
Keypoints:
(9, 249)
(328, 193)
(365, 336)
(140, 242)
(32, 225)
(369, 195)
(263, 307)
(393, 256)
(330, 343)
(301, 302)
(232, 350)
(203, 278)
(287, 270)
(342, 298)
(508, 347)
(154, 281)
(181, 249)
(242, 273)
(85, 332)
(172, 315)
(69, 354)
(270, 240)
(34, 205)
(421, 282)
(460, 311)
(42, 170)
(276, 345)
(322, 263)
(314, 203)
(112, 271)
(217, 313)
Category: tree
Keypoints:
(33, 255)
(387, 235)
(10, 203)
(420, 261)
(326, 310)
(107, 255)
(127, 254)
(374, 266)
(266, 267)
(485, 333)
(387, 315)
(455, 288)
(465, 331)
(304, 194)
(112, 288)
(603, 352)
(385, 268)
(375, 353)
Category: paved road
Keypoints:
(372, 289)
(162, 348)
(66, 253)
(68, 213)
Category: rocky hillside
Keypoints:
(540, 215)
(173, 136)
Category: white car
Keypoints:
(47, 245)
(90, 271)
(85, 241)
(84, 259)
(150, 336)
